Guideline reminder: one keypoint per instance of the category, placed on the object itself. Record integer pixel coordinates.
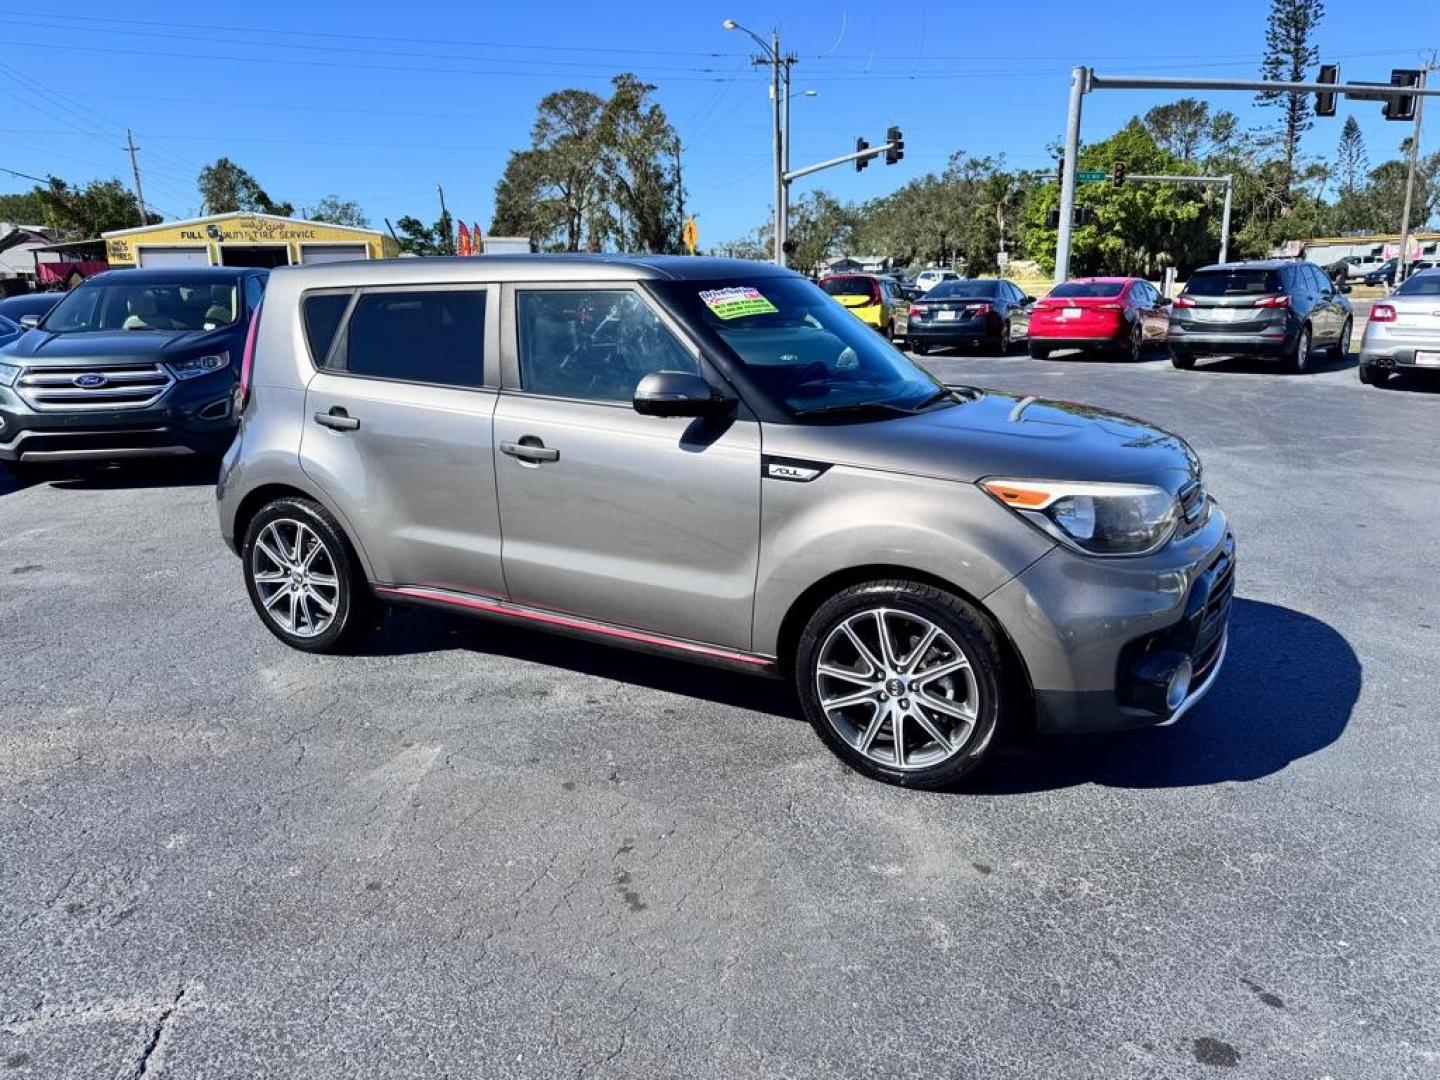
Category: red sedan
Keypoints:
(1116, 314)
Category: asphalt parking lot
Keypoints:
(483, 852)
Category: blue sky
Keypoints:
(379, 102)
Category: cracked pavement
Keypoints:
(480, 851)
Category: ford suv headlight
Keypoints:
(1093, 519)
(198, 365)
(8, 374)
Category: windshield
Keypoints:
(848, 286)
(1233, 283)
(800, 349)
(151, 305)
(1088, 288)
(1423, 285)
(965, 290)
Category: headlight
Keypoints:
(1094, 519)
(8, 374)
(198, 365)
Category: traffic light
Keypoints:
(1052, 219)
(861, 162)
(1117, 177)
(896, 138)
(1325, 103)
(1060, 171)
(1403, 107)
(1083, 216)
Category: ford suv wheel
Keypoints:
(903, 681)
(303, 578)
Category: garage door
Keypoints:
(174, 256)
(323, 253)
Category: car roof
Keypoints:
(524, 267)
(168, 274)
(12, 307)
(1251, 264)
(1101, 279)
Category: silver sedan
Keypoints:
(1403, 334)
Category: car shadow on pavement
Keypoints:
(1253, 365)
(1286, 691)
(408, 631)
(156, 473)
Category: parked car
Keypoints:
(132, 363)
(874, 300)
(1113, 314)
(710, 460)
(1270, 308)
(35, 305)
(1384, 274)
(928, 279)
(987, 312)
(1403, 332)
(9, 331)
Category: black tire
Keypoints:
(356, 612)
(919, 348)
(1183, 361)
(1135, 348)
(1341, 349)
(1039, 352)
(1002, 346)
(988, 689)
(1299, 358)
(1370, 375)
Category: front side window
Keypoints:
(426, 336)
(593, 344)
(805, 353)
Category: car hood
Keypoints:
(37, 348)
(996, 434)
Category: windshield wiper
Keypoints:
(858, 408)
(945, 393)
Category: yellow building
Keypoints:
(244, 239)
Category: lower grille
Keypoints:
(1216, 614)
(123, 386)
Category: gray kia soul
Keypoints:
(713, 460)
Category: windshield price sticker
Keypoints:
(737, 302)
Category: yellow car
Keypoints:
(875, 301)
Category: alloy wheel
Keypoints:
(897, 688)
(295, 578)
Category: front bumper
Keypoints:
(1087, 628)
(194, 417)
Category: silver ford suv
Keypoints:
(713, 460)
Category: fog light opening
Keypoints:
(216, 410)
(1179, 686)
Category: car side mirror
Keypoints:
(678, 393)
(1165, 301)
(1346, 288)
(29, 322)
(1029, 300)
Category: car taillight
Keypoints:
(1273, 301)
(247, 362)
(916, 313)
(977, 309)
(1109, 307)
(1382, 313)
(1184, 301)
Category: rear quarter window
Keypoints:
(322, 314)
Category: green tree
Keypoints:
(226, 187)
(1351, 161)
(640, 169)
(1290, 51)
(24, 208)
(98, 207)
(338, 211)
(1188, 130)
(417, 238)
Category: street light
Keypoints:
(779, 97)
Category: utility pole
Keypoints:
(445, 221)
(780, 106)
(1070, 164)
(1404, 256)
(135, 168)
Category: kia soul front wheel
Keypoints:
(303, 578)
(905, 682)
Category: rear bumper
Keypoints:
(951, 333)
(1102, 640)
(1378, 349)
(1045, 341)
(190, 419)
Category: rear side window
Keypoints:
(421, 336)
(322, 319)
(1233, 283)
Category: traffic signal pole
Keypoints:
(1085, 81)
(1404, 257)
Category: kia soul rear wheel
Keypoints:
(903, 681)
(303, 578)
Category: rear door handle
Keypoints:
(337, 419)
(530, 449)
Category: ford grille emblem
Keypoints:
(90, 381)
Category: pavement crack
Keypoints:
(157, 1034)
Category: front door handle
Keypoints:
(530, 449)
(337, 419)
